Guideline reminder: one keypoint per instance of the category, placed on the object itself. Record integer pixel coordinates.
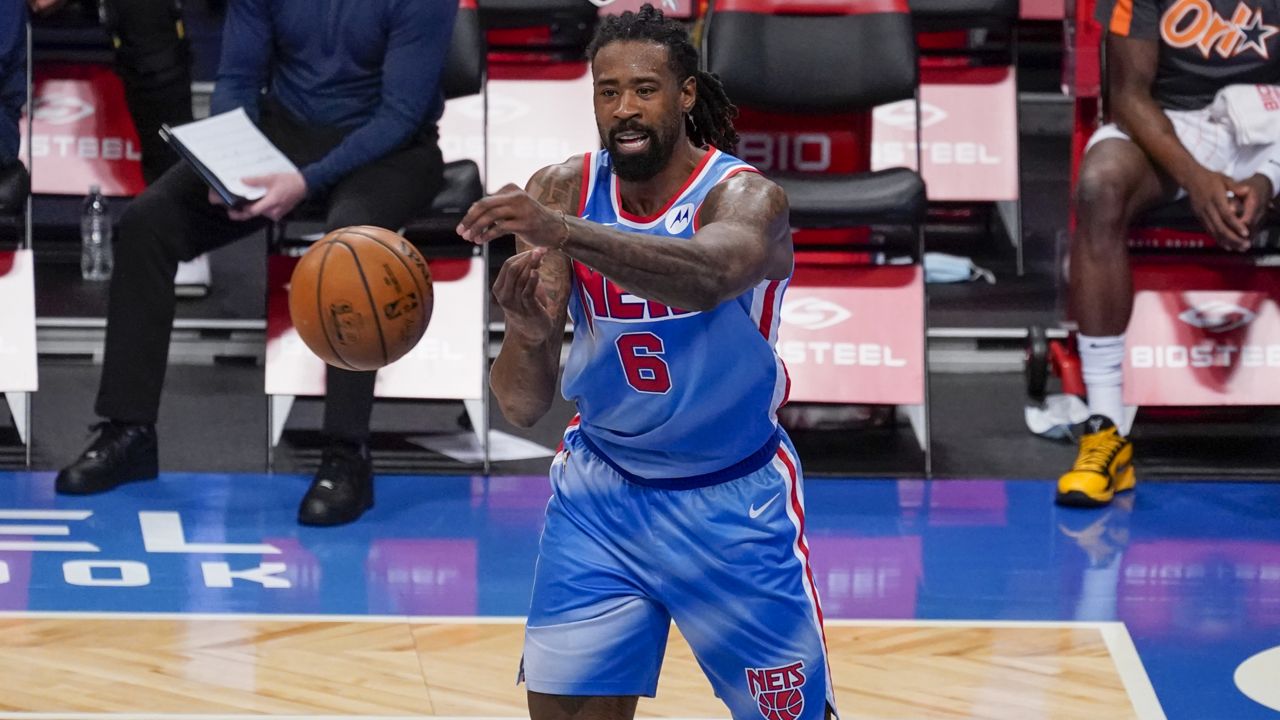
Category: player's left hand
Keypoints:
(284, 192)
(1254, 195)
(512, 211)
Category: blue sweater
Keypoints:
(369, 66)
(13, 74)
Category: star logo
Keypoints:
(1255, 34)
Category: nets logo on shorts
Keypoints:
(777, 690)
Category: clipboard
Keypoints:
(211, 179)
(225, 148)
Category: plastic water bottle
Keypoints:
(95, 237)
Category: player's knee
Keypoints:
(1102, 197)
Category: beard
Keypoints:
(638, 167)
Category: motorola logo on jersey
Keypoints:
(605, 299)
(777, 690)
(62, 109)
(1194, 23)
(679, 218)
(812, 313)
(1217, 316)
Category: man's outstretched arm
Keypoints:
(744, 237)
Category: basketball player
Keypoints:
(676, 493)
(1167, 59)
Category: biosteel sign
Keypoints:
(81, 133)
(1218, 347)
(854, 335)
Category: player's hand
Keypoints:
(284, 192)
(512, 211)
(1214, 201)
(1254, 195)
(215, 198)
(41, 7)
(524, 301)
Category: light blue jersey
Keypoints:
(669, 397)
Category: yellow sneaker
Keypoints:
(1103, 468)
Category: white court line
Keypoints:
(1132, 673)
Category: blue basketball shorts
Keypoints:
(619, 561)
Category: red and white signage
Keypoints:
(1214, 347)
(17, 322)
(82, 133)
(855, 335)
(969, 134)
(447, 364)
(539, 115)
(1043, 9)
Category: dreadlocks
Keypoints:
(710, 122)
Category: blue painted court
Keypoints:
(1192, 570)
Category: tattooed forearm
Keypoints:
(744, 237)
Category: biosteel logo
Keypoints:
(903, 114)
(1217, 316)
(813, 313)
(62, 109)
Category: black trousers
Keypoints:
(172, 221)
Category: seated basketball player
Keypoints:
(676, 493)
(1167, 59)
(352, 97)
(13, 95)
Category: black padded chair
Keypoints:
(943, 15)
(848, 57)
(561, 28)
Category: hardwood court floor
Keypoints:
(166, 665)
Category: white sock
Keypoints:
(1102, 362)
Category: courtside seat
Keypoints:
(462, 187)
(941, 15)
(560, 27)
(824, 57)
(894, 196)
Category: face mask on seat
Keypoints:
(944, 268)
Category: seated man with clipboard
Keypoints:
(352, 96)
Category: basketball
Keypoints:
(361, 297)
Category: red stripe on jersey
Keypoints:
(766, 309)
(572, 424)
(786, 394)
(804, 547)
(586, 183)
(587, 309)
(622, 213)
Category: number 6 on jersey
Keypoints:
(641, 355)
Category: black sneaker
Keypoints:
(342, 488)
(121, 453)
